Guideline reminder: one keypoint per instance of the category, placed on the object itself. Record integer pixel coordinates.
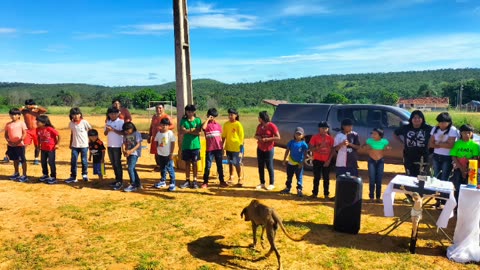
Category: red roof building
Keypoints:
(424, 103)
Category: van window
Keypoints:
(394, 121)
(358, 116)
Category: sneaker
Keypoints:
(327, 199)
(118, 186)
(22, 179)
(204, 185)
(14, 176)
(43, 178)
(285, 191)
(224, 184)
(130, 188)
(172, 187)
(112, 184)
(71, 180)
(85, 177)
(51, 180)
(270, 187)
(299, 193)
(186, 184)
(160, 184)
(36, 162)
(378, 200)
(195, 184)
(314, 196)
(6, 159)
(371, 200)
(261, 186)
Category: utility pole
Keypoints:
(182, 63)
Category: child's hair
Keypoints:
(234, 111)
(161, 104)
(111, 110)
(116, 100)
(29, 102)
(189, 108)
(346, 122)
(165, 121)
(212, 112)
(444, 117)
(14, 111)
(264, 116)
(468, 128)
(92, 132)
(75, 111)
(129, 125)
(379, 131)
(44, 120)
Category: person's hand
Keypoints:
(326, 164)
(346, 142)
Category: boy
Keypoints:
(346, 144)
(190, 126)
(114, 132)
(321, 146)
(97, 152)
(15, 133)
(213, 136)
(165, 140)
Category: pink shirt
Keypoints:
(267, 131)
(213, 136)
(15, 132)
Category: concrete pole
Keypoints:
(182, 64)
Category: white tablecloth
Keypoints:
(389, 196)
(466, 243)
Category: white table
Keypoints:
(408, 181)
(466, 243)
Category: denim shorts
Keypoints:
(234, 157)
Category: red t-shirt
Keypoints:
(267, 131)
(47, 137)
(324, 144)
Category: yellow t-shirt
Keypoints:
(233, 135)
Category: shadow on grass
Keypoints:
(210, 249)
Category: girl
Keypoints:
(297, 149)
(442, 138)
(463, 150)
(267, 134)
(321, 145)
(132, 150)
(233, 136)
(48, 139)
(78, 143)
(114, 133)
(376, 145)
(191, 127)
(346, 144)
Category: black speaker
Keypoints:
(348, 204)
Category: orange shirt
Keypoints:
(14, 132)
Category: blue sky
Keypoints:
(126, 42)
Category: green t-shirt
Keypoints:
(463, 149)
(377, 145)
(190, 141)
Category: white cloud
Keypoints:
(147, 29)
(300, 9)
(7, 30)
(37, 32)
(86, 36)
(56, 48)
(340, 45)
(221, 21)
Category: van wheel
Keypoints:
(308, 161)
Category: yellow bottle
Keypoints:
(472, 173)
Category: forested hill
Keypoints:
(383, 88)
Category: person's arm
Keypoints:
(6, 136)
(431, 142)
(287, 151)
(103, 156)
(205, 124)
(150, 132)
(172, 147)
(38, 109)
(127, 117)
(57, 141)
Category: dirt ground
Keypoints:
(18, 201)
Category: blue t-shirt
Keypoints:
(297, 150)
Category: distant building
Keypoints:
(424, 103)
(472, 106)
(274, 102)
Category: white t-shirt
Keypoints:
(79, 133)
(164, 142)
(115, 140)
(441, 137)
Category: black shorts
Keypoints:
(16, 153)
(191, 155)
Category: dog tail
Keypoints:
(278, 220)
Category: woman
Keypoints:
(266, 135)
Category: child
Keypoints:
(321, 145)
(346, 144)
(266, 135)
(97, 151)
(376, 145)
(165, 141)
(132, 150)
(297, 149)
(190, 127)
(114, 133)
(79, 144)
(15, 132)
(463, 150)
(48, 139)
(233, 136)
(213, 136)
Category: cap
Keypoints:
(323, 124)
(299, 130)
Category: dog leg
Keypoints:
(254, 231)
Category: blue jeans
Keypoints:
(298, 171)
(442, 166)
(115, 155)
(265, 159)
(166, 165)
(375, 173)
(48, 159)
(209, 157)
(73, 163)
(132, 171)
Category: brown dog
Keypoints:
(261, 215)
